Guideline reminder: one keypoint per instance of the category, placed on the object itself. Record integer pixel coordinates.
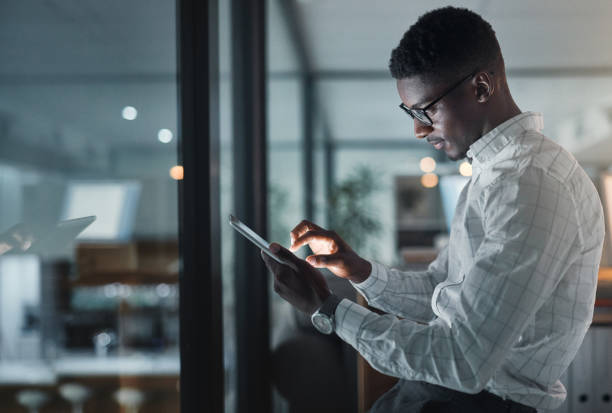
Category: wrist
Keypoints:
(363, 272)
(324, 319)
(323, 296)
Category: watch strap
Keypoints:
(329, 305)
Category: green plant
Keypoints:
(351, 214)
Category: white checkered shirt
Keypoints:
(506, 305)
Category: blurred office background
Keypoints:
(88, 124)
(89, 127)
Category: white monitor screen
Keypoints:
(450, 188)
(113, 203)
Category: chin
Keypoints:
(453, 152)
(456, 157)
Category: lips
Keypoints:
(437, 143)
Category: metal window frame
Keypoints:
(202, 375)
(249, 103)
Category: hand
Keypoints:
(305, 289)
(330, 251)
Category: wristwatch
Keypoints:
(323, 319)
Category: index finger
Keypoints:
(302, 228)
(315, 235)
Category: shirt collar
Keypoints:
(490, 144)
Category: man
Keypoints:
(499, 315)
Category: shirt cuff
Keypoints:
(348, 319)
(375, 284)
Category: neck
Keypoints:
(506, 109)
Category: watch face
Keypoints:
(322, 323)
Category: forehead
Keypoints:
(416, 90)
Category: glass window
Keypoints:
(226, 177)
(88, 207)
(285, 179)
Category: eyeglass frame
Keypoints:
(426, 120)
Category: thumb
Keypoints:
(323, 260)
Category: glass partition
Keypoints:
(285, 178)
(226, 177)
(88, 207)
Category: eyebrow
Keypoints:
(420, 104)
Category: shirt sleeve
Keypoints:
(404, 293)
(530, 228)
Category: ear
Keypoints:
(484, 87)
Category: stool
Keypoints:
(129, 398)
(76, 394)
(32, 399)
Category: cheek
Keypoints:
(452, 126)
(449, 129)
(456, 116)
(445, 121)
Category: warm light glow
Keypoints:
(428, 164)
(465, 169)
(164, 135)
(129, 113)
(176, 172)
(429, 180)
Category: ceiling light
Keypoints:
(129, 113)
(164, 135)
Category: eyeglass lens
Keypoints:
(421, 116)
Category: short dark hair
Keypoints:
(445, 43)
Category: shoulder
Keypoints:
(531, 157)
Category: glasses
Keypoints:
(420, 114)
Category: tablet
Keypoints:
(256, 239)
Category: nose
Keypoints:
(421, 130)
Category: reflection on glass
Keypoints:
(285, 196)
(113, 204)
(88, 212)
(227, 206)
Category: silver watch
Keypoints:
(323, 319)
